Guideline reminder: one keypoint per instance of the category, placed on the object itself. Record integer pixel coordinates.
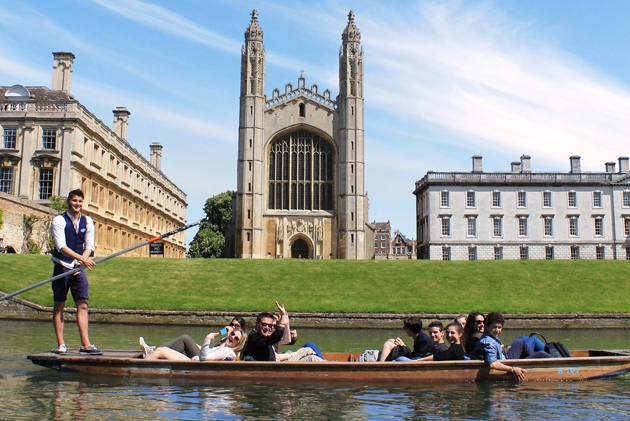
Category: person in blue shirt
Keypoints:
(490, 349)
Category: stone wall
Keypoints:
(13, 229)
(18, 309)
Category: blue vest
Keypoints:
(74, 240)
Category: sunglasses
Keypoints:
(478, 321)
(235, 325)
(269, 325)
(233, 334)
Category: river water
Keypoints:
(33, 393)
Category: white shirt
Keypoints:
(59, 235)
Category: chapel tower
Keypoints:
(300, 190)
(249, 191)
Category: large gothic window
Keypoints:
(300, 172)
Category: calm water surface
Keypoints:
(34, 393)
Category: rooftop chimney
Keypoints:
(62, 72)
(516, 166)
(156, 155)
(575, 164)
(121, 120)
(477, 163)
(526, 165)
(610, 167)
(623, 165)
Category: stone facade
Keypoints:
(300, 190)
(382, 240)
(524, 215)
(16, 232)
(51, 144)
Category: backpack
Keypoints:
(369, 356)
(555, 349)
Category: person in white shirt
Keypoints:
(73, 234)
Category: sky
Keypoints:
(444, 80)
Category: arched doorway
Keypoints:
(300, 250)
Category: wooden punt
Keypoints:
(342, 367)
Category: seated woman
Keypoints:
(461, 319)
(436, 332)
(226, 351)
(454, 334)
(187, 345)
(473, 331)
(490, 349)
(395, 349)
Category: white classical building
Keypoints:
(524, 215)
(51, 144)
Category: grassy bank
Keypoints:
(523, 286)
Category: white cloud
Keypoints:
(489, 81)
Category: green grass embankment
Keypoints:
(523, 286)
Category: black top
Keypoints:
(455, 352)
(260, 348)
(422, 346)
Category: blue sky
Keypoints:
(444, 80)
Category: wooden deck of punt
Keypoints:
(341, 367)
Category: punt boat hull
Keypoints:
(341, 367)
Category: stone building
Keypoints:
(402, 248)
(522, 214)
(300, 190)
(51, 144)
(382, 239)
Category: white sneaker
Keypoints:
(61, 350)
(146, 349)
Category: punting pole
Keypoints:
(102, 259)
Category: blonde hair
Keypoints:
(240, 345)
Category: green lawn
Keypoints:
(522, 286)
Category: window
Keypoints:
(49, 139)
(472, 226)
(546, 199)
(522, 226)
(470, 199)
(444, 199)
(6, 180)
(497, 227)
(597, 199)
(45, 183)
(573, 226)
(549, 253)
(627, 253)
(446, 227)
(572, 196)
(599, 226)
(446, 253)
(548, 226)
(383, 245)
(626, 226)
(300, 172)
(498, 253)
(523, 253)
(10, 139)
(375, 245)
(472, 253)
(626, 199)
(496, 199)
(575, 252)
(521, 199)
(600, 253)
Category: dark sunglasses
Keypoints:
(478, 321)
(269, 325)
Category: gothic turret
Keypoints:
(351, 197)
(249, 192)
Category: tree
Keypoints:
(210, 239)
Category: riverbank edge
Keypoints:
(18, 309)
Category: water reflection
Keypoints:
(33, 392)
